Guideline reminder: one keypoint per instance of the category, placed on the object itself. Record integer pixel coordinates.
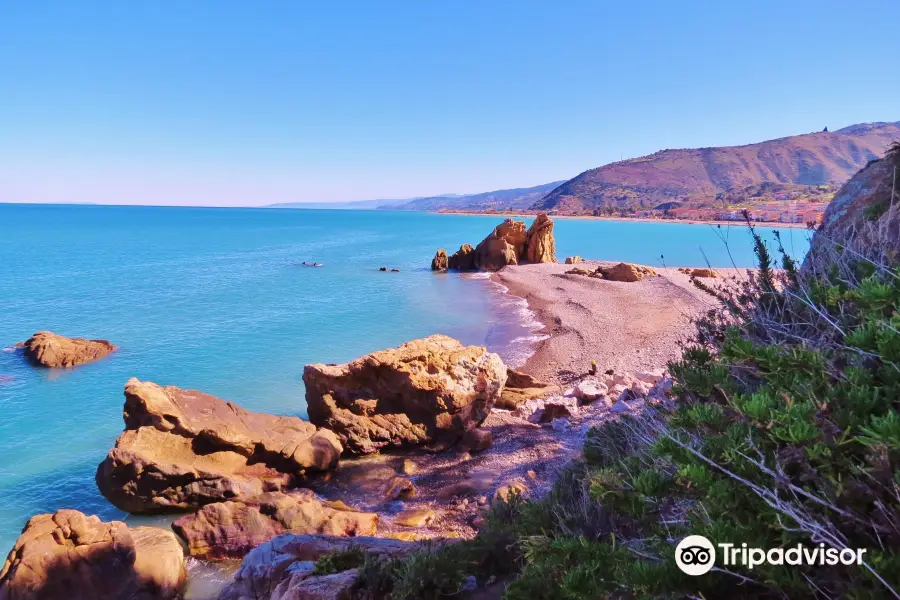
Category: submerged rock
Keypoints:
(540, 246)
(71, 556)
(182, 449)
(231, 529)
(427, 391)
(438, 263)
(278, 569)
(51, 350)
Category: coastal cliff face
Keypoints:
(862, 216)
(49, 349)
(427, 391)
(182, 449)
(71, 556)
(510, 243)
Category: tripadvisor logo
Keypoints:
(696, 555)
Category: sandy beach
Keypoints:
(626, 327)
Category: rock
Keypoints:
(478, 439)
(859, 219)
(505, 492)
(626, 272)
(463, 259)
(182, 449)
(540, 247)
(571, 260)
(71, 556)
(502, 247)
(48, 349)
(336, 586)
(427, 391)
(706, 273)
(274, 569)
(231, 529)
(590, 390)
(639, 389)
(650, 377)
(438, 263)
(662, 387)
(415, 517)
(400, 488)
(556, 410)
(579, 271)
(531, 474)
(395, 270)
(521, 387)
(383, 269)
(560, 425)
(409, 467)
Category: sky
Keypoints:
(245, 103)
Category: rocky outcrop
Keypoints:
(71, 556)
(463, 259)
(282, 569)
(626, 272)
(48, 349)
(438, 263)
(510, 243)
(540, 247)
(571, 260)
(702, 273)
(182, 449)
(860, 218)
(502, 247)
(231, 529)
(427, 391)
(521, 387)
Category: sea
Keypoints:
(218, 299)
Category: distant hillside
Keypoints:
(519, 198)
(356, 204)
(696, 176)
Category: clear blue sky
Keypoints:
(247, 103)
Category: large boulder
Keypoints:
(439, 262)
(521, 387)
(182, 449)
(504, 246)
(860, 218)
(231, 529)
(278, 569)
(625, 272)
(427, 391)
(48, 349)
(463, 259)
(540, 246)
(71, 556)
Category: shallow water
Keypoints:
(217, 299)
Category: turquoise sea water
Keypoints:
(217, 299)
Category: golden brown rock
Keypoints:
(231, 529)
(427, 391)
(182, 449)
(439, 262)
(415, 517)
(505, 492)
(521, 387)
(579, 271)
(51, 350)
(625, 272)
(540, 247)
(71, 556)
(463, 259)
(709, 273)
(502, 247)
(400, 488)
(571, 260)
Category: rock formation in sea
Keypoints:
(862, 217)
(540, 247)
(463, 259)
(182, 449)
(427, 391)
(231, 529)
(71, 556)
(282, 569)
(510, 243)
(438, 263)
(52, 350)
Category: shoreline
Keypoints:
(528, 215)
